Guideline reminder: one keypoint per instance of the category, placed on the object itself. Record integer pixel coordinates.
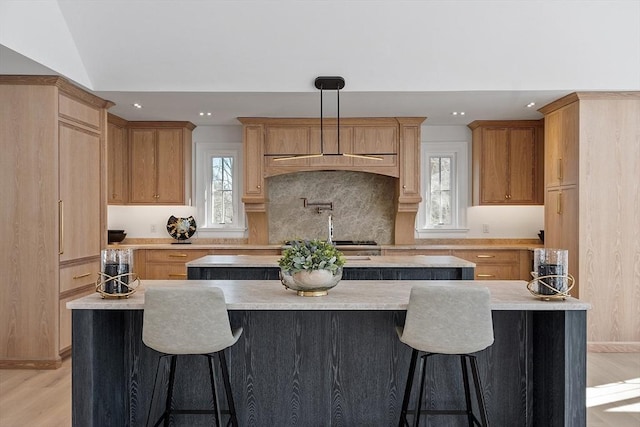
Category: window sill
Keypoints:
(428, 232)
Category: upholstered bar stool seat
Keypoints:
(189, 320)
(448, 320)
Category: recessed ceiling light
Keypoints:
(202, 113)
(531, 104)
(137, 105)
(455, 113)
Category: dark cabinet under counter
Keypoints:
(419, 267)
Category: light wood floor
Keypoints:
(36, 398)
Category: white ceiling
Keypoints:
(259, 58)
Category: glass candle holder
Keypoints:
(116, 264)
(553, 263)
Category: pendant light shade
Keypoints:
(329, 83)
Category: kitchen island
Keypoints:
(333, 360)
(357, 267)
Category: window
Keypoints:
(218, 188)
(221, 187)
(445, 187)
(440, 190)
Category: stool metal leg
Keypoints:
(172, 375)
(227, 388)
(467, 391)
(479, 395)
(407, 390)
(423, 375)
(214, 391)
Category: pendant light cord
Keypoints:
(321, 126)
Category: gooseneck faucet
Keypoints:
(330, 239)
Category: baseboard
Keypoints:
(614, 347)
(30, 364)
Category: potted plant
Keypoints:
(311, 267)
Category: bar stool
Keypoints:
(447, 320)
(189, 321)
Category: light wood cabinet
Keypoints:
(508, 162)
(160, 162)
(54, 209)
(395, 140)
(169, 263)
(117, 161)
(591, 207)
(498, 264)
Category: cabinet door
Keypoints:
(142, 182)
(253, 160)
(494, 166)
(117, 170)
(285, 142)
(561, 225)
(522, 166)
(380, 141)
(561, 146)
(169, 164)
(410, 162)
(79, 175)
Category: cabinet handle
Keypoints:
(486, 275)
(560, 169)
(81, 276)
(485, 256)
(258, 186)
(559, 204)
(177, 275)
(60, 227)
(177, 255)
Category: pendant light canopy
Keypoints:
(329, 83)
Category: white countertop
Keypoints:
(347, 295)
(364, 261)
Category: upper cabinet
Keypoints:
(149, 162)
(117, 161)
(508, 162)
(561, 146)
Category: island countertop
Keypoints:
(348, 295)
(354, 261)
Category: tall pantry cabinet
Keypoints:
(592, 208)
(53, 210)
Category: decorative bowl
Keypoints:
(116, 236)
(311, 283)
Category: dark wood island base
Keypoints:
(334, 366)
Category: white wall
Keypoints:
(502, 221)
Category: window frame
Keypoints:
(203, 153)
(459, 153)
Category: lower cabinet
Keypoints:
(498, 264)
(169, 263)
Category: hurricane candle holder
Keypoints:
(116, 279)
(551, 279)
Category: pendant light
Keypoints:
(329, 83)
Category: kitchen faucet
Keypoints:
(330, 239)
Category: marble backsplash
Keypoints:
(363, 206)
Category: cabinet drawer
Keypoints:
(173, 271)
(77, 276)
(174, 255)
(488, 256)
(497, 272)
